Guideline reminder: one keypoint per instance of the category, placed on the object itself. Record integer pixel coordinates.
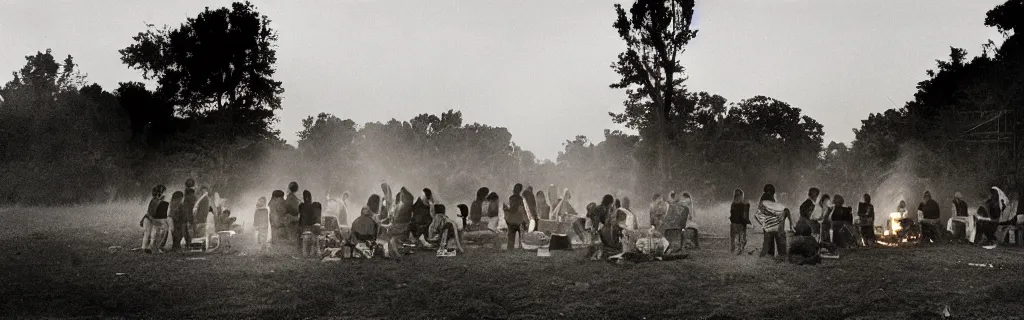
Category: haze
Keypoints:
(539, 68)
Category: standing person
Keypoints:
(866, 220)
(493, 210)
(808, 210)
(691, 232)
(278, 222)
(155, 219)
(515, 216)
(309, 223)
(826, 218)
(842, 221)
(739, 218)
(184, 221)
(929, 215)
(179, 222)
(343, 210)
(531, 203)
(202, 212)
(770, 214)
(994, 206)
(291, 213)
(261, 223)
(543, 206)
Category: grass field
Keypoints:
(55, 262)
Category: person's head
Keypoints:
(366, 212)
(927, 195)
(190, 183)
(177, 196)
(463, 209)
(428, 195)
(438, 209)
(903, 204)
(672, 196)
(528, 189)
(190, 192)
(737, 195)
(541, 197)
(625, 203)
(607, 200)
(826, 200)
(481, 193)
(838, 200)
(307, 196)
(656, 197)
(867, 198)
(204, 190)
(769, 189)
(344, 197)
(958, 196)
(686, 196)
(293, 187)
(384, 187)
(373, 202)
(591, 207)
(261, 202)
(158, 191)
(493, 197)
(277, 194)
(566, 195)
(618, 204)
(813, 193)
(992, 193)
(982, 211)
(517, 189)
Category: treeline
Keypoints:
(211, 116)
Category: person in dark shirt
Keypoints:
(929, 211)
(866, 221)
(804, 249)
(807, 210)
(422, 215)
(309, 223)
(958, 223)
(291, 210)
(739, 218)
(986, 227)
(842, 222)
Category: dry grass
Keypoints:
(56, 264)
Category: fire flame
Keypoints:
(894, 223)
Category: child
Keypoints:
(261, 223)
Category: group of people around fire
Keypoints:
(389, 222)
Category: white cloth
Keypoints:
(156, 230)
(970, 226)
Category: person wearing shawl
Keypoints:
(1006, 218)
(343, 210)
(770, 215)
(739, 218)
(928, 211)
(866, 221)
(543, 206)
(691, 232)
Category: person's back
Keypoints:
(364, 228)
(291, 206)
(188, 204)
(739, 213)
(517, 210)
(866, 213)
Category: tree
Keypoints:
(656, 33)
(218, 65)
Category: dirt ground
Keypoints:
(55, 262)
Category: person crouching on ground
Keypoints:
(771, 214)
(739, 218)
(842, 223)
(804, 249)
(154, 223)
(261, 223)
(929, 215)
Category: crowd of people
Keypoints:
(391, 223)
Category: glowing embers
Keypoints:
(898, 231)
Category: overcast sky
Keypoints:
(538, 67)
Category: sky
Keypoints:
(537, 67)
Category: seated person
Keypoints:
(363, 236)
(443, 229)
(986, 228)
(803, 248)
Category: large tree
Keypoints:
(655, 33)
(218, 65)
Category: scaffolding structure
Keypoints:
(998, 132)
